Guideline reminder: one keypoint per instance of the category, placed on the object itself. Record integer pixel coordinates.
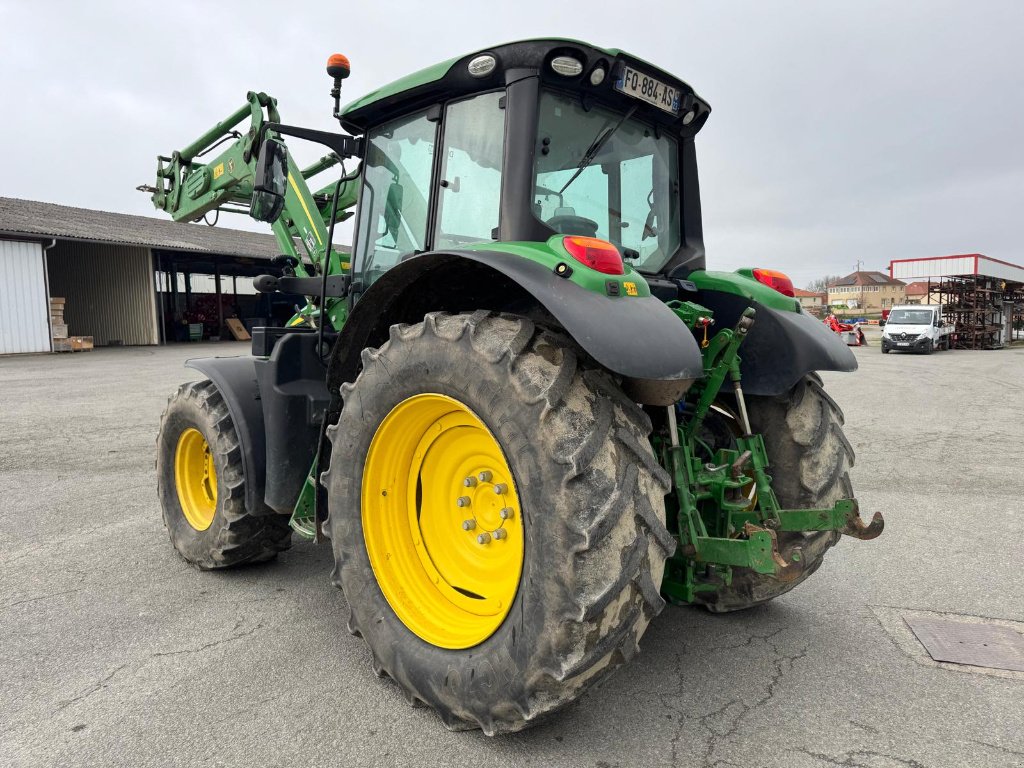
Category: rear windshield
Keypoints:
(627, 192)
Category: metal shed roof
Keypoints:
(959, 264)
(29, 218)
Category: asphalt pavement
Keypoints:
(115, 652)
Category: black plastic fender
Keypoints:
(235, 377)
(781, 347)
(276, 405)
(293, 391)
(637, 338)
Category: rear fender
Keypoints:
(782, 347)
(636, 337)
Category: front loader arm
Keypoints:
(188, 189)
(218, 172)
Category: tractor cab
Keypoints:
(525, 142)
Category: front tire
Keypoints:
(587, 512)
(810, 462)
(201, 485)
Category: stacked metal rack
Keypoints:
(1013, 304)
(973, 305)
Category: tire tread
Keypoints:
(241, 538)
(600, 458)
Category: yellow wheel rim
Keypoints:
(442, 521)
(195, 479)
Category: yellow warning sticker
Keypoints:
(218, 171)
(630, 289)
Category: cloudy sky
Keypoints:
(841, 131)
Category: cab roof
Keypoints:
(515, 61)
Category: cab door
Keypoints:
(394, 200)
(468, 207)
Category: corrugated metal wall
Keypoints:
(924, 268)
(24, 305)
(1000, 269)
(109, 291)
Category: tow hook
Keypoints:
(855, 526)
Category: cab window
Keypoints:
(607, 174)
(394, 199)
(469, 190)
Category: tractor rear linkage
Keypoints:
(728, 514)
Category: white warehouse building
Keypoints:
(126, 280)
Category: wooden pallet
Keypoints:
(73, 344)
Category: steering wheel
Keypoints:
(573, 225)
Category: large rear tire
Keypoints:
(586, 500)
(201, 485)
(810, 462)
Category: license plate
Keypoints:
(902, 343)
(644, 87)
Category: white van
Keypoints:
(916, 328)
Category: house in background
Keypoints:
(917, 292)
(810, 301)
(866, 291)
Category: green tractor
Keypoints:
(521, 411)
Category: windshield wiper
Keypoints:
(595, 146)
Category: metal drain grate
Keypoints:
(977, 644)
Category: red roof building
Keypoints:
(958, 265)
(810, 298)
(917, 289)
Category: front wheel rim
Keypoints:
(195, 479)
(442, 521)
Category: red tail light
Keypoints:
(595, 253)
(775, 279)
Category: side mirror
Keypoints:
(393, 209)
(271, 181)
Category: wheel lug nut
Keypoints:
(506, 513)
(469, 482)
(483, 538)
(462, 501)
(468, 525)
(500, 488)
(501, 533)
(484, 477)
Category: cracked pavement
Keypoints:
(115, 652)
